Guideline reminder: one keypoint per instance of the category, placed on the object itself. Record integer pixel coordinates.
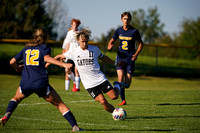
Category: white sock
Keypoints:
(71, 76)
(67, 84)
(77, 82)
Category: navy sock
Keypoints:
(12, 105)
(122, 93)
(70, 117)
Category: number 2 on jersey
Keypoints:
(32, 56)
(124, 45)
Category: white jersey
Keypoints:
(70, 38)
(87, 64)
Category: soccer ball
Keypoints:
(119, 114)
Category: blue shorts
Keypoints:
(128, 67)
(44, 91)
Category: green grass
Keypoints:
(153, 105)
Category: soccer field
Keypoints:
(153, 105)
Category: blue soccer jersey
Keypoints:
(34, 74)
(127, 41)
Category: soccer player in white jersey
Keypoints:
(86, 58)
(69, 44)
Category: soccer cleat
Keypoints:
(76, 129)
(3, 120)
(122, 84)
(122, 103)
(74, 89)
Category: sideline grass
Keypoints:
(154, 105)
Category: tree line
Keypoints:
(18, 19)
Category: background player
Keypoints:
(35, 78)
(70, 44)
(86, 60)
(127, 36)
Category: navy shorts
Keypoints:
(128, 67)
(43, 91)
(97, 90)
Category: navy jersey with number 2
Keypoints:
(34, 74)
(127, 42)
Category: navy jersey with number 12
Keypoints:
(34, 74)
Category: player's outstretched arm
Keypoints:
(107, 60)
(51, 60)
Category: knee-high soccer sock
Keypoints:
(117, 86)
(12, 105)
(71, 76)
(67, 84)
(122, 93)
(77, 82)
(70, 117)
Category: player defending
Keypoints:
(70, 44)
(127, 36)
(35, 78)
(85, 58)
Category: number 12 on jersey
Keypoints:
(32, 56)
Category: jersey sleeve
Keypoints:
(116, 35)
(68, 55)
(66, 41)
(19, 56)
(47, 51)
(137, 37)
(98, 52)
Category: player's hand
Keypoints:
(110, 46)
(67, 66)
(19, 68)
(46, 65)
(134, 58)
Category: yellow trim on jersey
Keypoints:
(125, 38)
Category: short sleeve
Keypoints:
(68, 55)
(47, 51)
(66, 41)
(19, 56)
(98, 52)
(137, 37)
(116, 35)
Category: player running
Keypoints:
(127, 36)
(86, 58)
(70, 44)
(35, 78)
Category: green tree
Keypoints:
(190, 36)
(190, 33)
(19, 18)
(148, 24)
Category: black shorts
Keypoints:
(97, 90)
(43, 91)
(71, 62)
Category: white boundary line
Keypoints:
(65, 121)
(24, 104)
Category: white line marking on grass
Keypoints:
(25, 104)
(53, 121)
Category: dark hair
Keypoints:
(40, 36)
(126, 13)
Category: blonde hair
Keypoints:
(40, 36)
(86, 33)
